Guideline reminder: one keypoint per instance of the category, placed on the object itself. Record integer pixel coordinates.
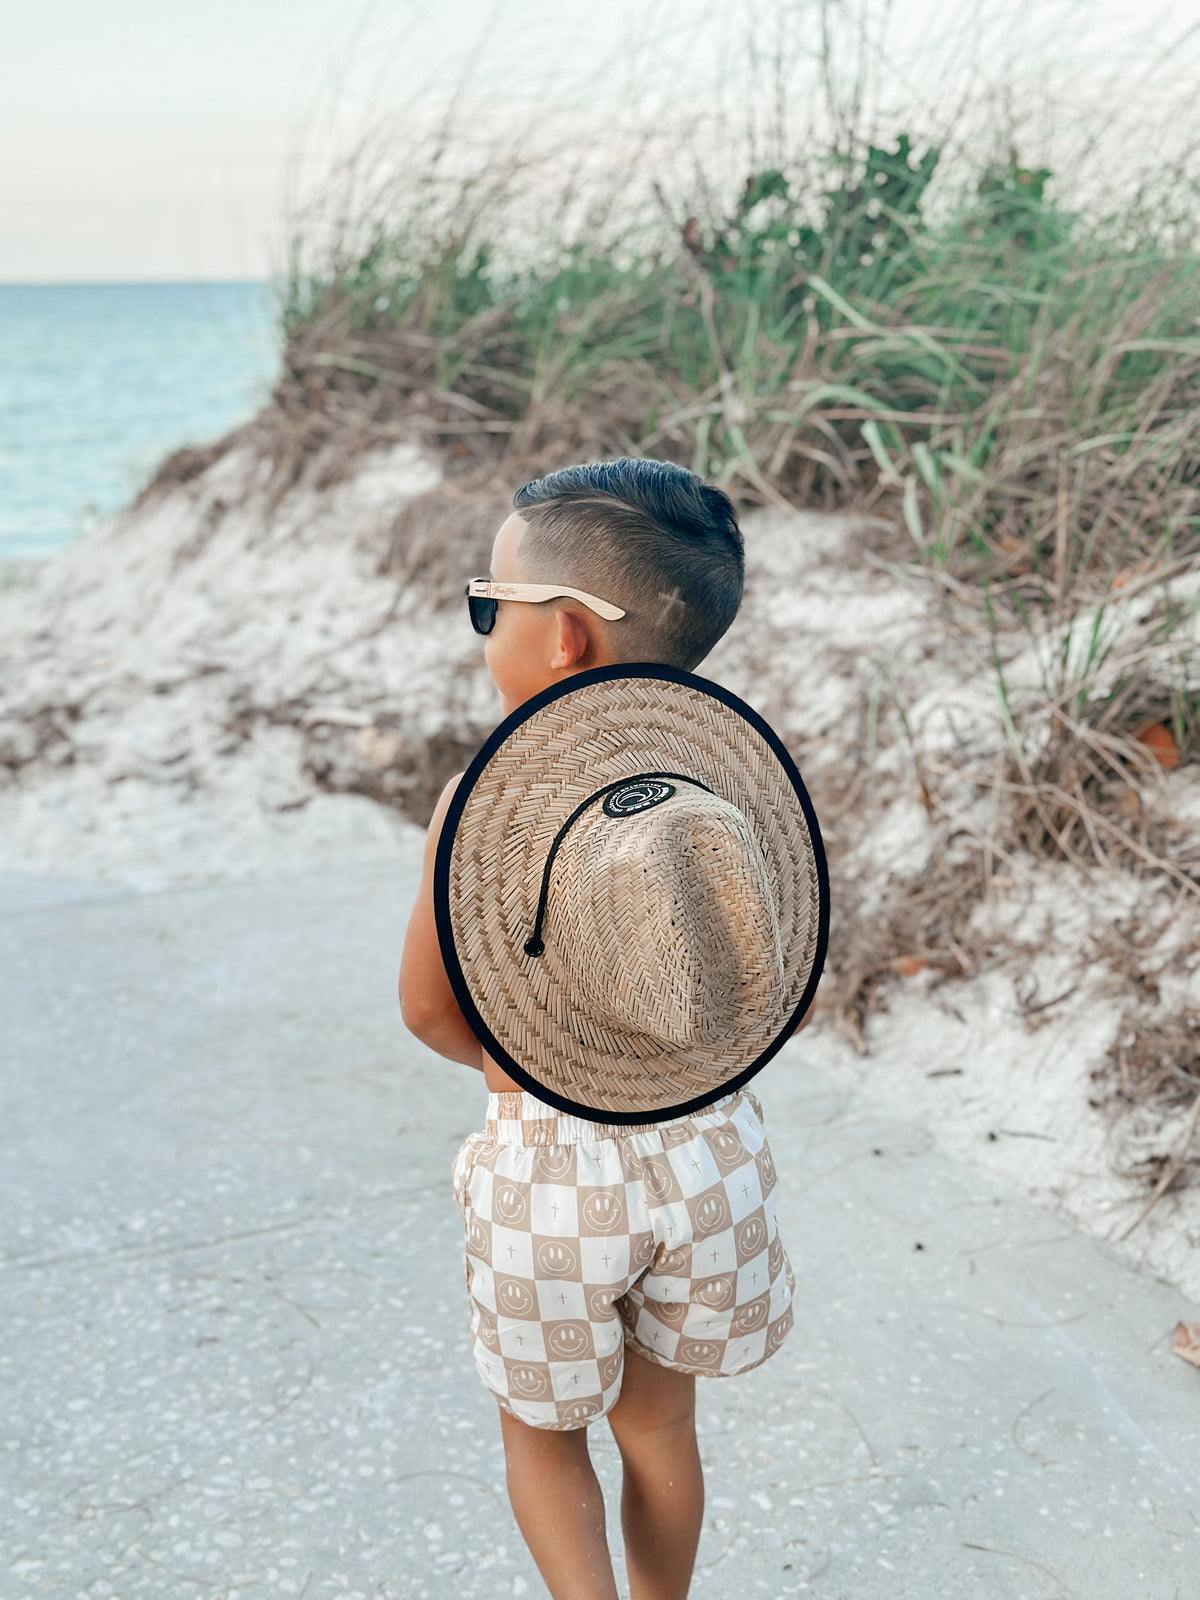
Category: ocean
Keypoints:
(98, 382)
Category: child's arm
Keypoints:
(806, 1018)
(427, 1001)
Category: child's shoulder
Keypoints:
(441, 807)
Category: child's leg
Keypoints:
(559, 1508)
(662, 1494)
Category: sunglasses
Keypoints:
(483, 596)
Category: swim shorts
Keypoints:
(582, 1238)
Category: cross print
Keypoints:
(575, 1377)
(715, 1254)
(554, 1208)
(562, 1299)
(606, 1258)
(754, 1277)
(696, 1163)
(745, 1189)
(521, 1340)
(511, 1252)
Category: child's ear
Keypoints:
(572, 642)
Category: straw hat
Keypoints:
(630, 894)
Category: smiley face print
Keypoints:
(610, 1367)
(658, 1178)
(603, 1212)
(568, 1341)
(553, 1163)
(671, 1313)
(715, 1293)
(577, 1413)
(515, 1298)
(710, 1213)
(704, 1353)
(600, 1303)
(528, 1381)
(509, 1205)
(750, 1317)
(556, 1259)
(750, 1237)
(778, 1331)
(728, 1150)
(766, 1169)
(775, 1258)
(675, 1263)
(642, 1252)
(677, 1133)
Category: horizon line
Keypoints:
(128, 283)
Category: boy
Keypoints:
(643, 563)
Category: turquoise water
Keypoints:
(99, 381)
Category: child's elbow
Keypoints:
(409, 1009)
(418, 1016)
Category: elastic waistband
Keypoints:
(517, 1117)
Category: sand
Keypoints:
(180, 691)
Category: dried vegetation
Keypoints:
(1009, 378)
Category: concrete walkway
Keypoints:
(234, 1355)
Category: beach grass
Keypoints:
(891, 315)
(1021, 378)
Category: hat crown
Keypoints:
(662, 912)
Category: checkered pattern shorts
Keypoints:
(582, 1238)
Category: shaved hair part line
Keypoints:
(650, 536)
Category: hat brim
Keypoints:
(539, 763)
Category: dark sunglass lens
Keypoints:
(483, 612)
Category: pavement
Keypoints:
(234, 1356)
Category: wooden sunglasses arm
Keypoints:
(537, 592)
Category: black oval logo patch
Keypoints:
(631, 798)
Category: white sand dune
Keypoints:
(180, 692)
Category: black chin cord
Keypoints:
(534, 945)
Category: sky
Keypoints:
(149, 139)
(152, 140)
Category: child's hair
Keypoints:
(653, 538)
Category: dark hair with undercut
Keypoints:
(651, 537)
